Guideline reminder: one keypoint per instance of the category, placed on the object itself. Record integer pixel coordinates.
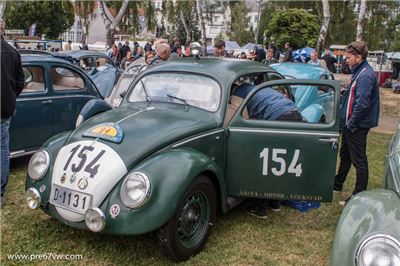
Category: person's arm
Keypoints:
(364, 87)
(19, 77)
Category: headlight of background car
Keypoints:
(38, 164)
(135, 190)
(378, 249)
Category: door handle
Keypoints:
(48, 101)
(333, 141)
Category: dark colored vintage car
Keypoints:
(368, 231)
(177, 150)
(54, 93)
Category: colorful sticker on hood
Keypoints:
(106, 131)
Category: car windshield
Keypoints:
(189, 89)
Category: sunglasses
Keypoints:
(354, 49)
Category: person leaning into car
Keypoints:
(12, 83)
(359, 112)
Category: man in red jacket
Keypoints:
(12, 83)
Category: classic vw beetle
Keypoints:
(368, 231)
(176, 151)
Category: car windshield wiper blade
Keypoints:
(179, 99)
(148, 99)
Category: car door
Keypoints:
(72, 90)
(283, 159)
(31, 124)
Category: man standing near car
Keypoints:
(359, 112)
(329, 61)
(12, 83)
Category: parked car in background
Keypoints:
(313, 104)
(177, 149)
(54, 93)
(368, 231)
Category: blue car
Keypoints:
(314, 105)
(54, 93)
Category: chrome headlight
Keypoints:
(38, 164)
(135, 190)
(33, 198)
(95, 219)
(195, 48)
(380, 249)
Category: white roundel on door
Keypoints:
(84, 174)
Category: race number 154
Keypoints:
(277, 156)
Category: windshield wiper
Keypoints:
(148, 99)
(179, 99)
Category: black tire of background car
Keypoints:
(168, 235)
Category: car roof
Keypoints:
(82, 53)
(300, 70)
(222, 69)
(43, 57)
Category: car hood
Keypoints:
(93, 160)
(148, 128)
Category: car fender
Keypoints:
(313, 113)
(368, 213)
(92, 108)
(52, 146)
(170, 173)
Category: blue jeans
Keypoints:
(5, 160)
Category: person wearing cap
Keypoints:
(359, 113)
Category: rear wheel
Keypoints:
(186, 233)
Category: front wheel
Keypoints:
(186, 233)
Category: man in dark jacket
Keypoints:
(359, 112)
(12, 83)
(288, 53)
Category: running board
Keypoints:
(234, 201)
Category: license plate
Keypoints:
(70, 199)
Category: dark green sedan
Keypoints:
(179, 148)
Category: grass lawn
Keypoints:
(288, 237)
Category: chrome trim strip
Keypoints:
(283, 132)
(138, 112)
(52, 97)
(198, 137)
(17, 154)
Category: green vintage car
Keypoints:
(368, 231)
(177, 150)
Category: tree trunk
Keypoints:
(110, 22)
(202, 26)
(361, 20)
(184, 25)
(324, 26)
(2, 7)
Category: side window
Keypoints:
(86, 63)
(64, 79)
(101, 61)
(270, 103)
(34, 79)
(274, 76)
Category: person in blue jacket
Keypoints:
(359, 113)
(267, 104)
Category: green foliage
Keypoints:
(52, 17)
(343, 24)
(296, 26)
(240, 24)
(380, 27)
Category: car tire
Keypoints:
(187, 232)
